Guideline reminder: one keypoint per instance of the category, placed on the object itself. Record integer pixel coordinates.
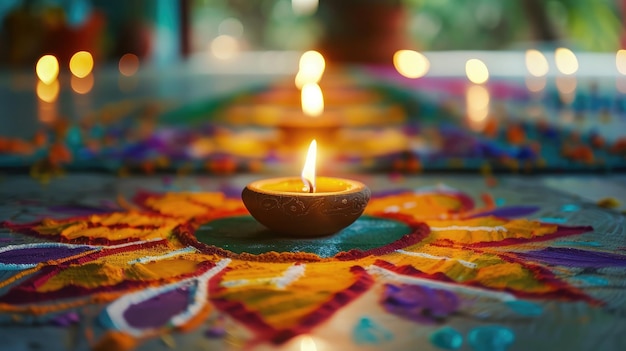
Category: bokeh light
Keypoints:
(304, 7)
(312, 100)
(47, 69)
(620, 61)
(566, 61)
(82, 85)
(536, 63)
(311, 68)
(81, 64)
(129, 65)
(224, 47)
(231, 26)
(48, 92)
(476, 71)
(411, 64)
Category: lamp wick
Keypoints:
(309, 185)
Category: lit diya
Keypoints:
(308, 206)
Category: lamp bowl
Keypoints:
(299, 214)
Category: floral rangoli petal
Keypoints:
(147, 311)
(24, 256)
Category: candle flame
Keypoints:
(308, 171)
(312, 100)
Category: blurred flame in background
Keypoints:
(81, 64)
(312, 100)
(47, 69)
(566, 61)
(477, 101)
(411, 64)
(128, 65)
(304, 7)
(476, 71)
(224, 46)
(311, 68)
(82, 85)
(536, 63)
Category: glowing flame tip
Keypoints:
(308, 171)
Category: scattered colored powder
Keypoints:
(490, 338)
(368, 332)
(447, 338)
(609, 202)
(419, 303)
(554, 220)
(525, 308)
(570, 208)
(500, 201)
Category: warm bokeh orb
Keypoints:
(411, 64)
(81, 64)
(47, 69)
(129, 65)
(476, 71)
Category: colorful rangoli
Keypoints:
(157, 264)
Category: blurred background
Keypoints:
(349, 30)
(405, 84)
